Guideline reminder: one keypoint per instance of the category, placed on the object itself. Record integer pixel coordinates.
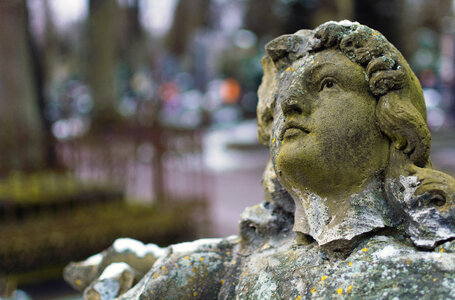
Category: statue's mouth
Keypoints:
(292, 129)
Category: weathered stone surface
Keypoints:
(353, 207)
(382, 266)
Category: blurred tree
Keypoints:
(43, 61)
(189, 16)
(266, 18)
(131, 35)
(301, 15)
(270, 18)
(386, 16)
(21, 128)
(345, 9)
(102, 60)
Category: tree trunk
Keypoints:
(43, 60)
(131, 37)
(345, 9)
(102, 58)
(21, 132)
(189, 16)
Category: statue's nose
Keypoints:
(293, 105)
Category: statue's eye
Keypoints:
(327, 83)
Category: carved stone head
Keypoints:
(344, 118)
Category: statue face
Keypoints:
(325, 138)
(346, 127)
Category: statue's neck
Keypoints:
(341, 217)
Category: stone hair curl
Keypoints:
(367, 48)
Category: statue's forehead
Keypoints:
(308, 64)
(314, 60)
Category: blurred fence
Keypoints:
(144, 183)
(149, 164)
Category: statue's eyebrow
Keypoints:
(311, 74)
(316, 68)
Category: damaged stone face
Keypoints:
(353, 206)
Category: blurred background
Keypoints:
(137, 117)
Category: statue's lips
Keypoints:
(292, 130)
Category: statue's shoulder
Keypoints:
(212, 268)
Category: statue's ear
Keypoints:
(266, 100)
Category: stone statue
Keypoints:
(353, 206)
